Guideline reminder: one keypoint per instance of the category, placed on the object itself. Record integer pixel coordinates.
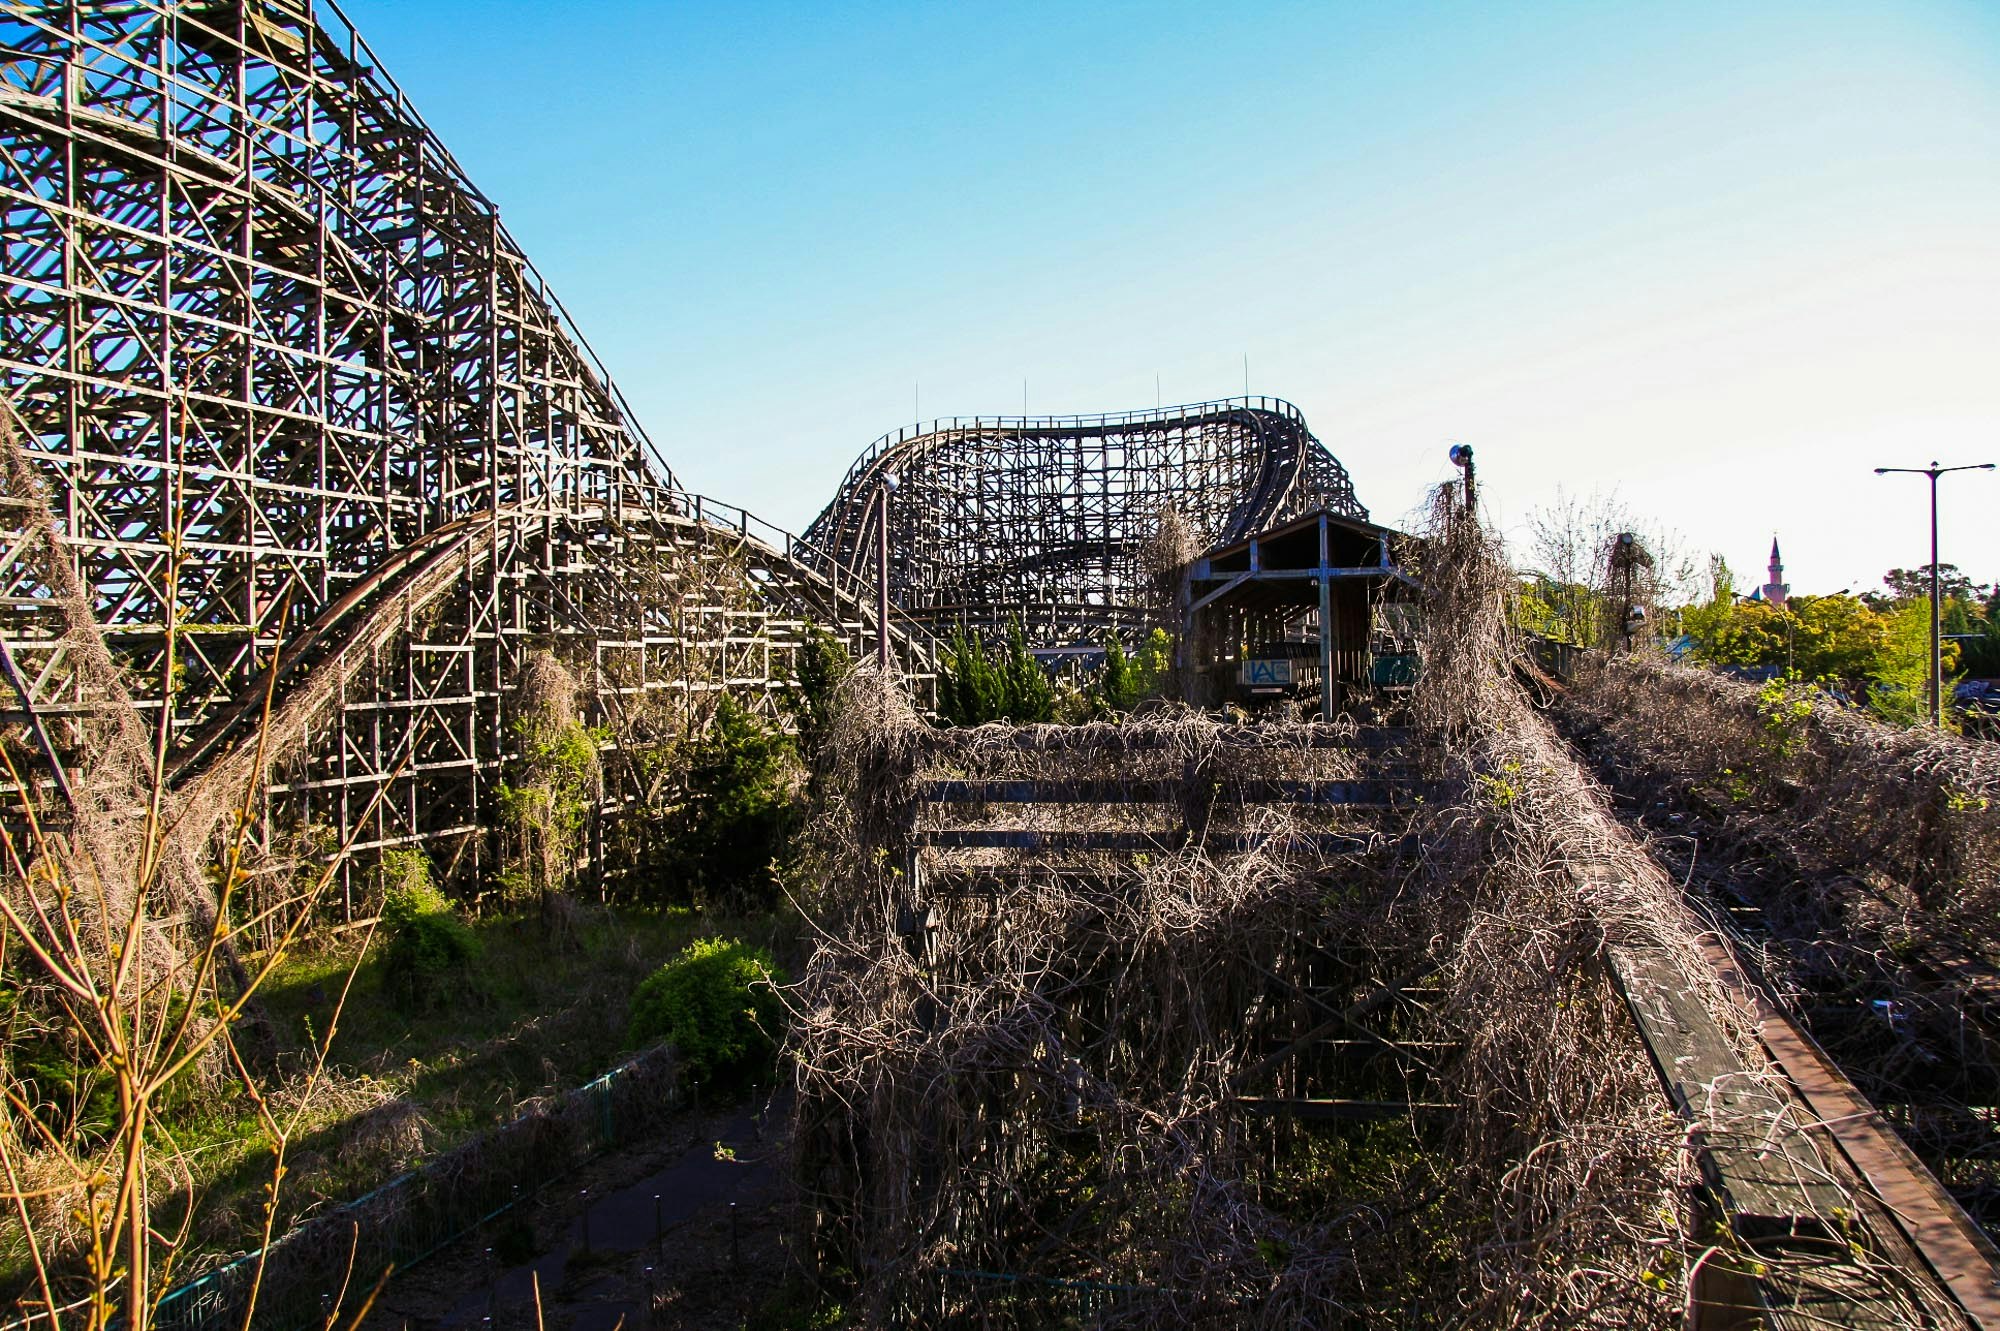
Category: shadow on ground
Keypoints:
(683, 1231)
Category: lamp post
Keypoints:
(1937, 645)
(882, 571)
(1461, 457)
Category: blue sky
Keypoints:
(1720, 259)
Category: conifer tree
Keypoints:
(1030, 696)
(1115, 689)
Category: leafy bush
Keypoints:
(734, 817)
(717, 1005)
(431, 952)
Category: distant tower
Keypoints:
(1776, 590)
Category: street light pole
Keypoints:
(1937, 641)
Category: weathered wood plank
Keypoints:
(1008, 838)
(1372, 793)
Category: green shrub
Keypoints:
(717, 1005)
(977, 684)
(734, 818)
(821, 664)
(431, 952)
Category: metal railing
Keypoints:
(806, 555)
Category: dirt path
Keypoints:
(684, 1231)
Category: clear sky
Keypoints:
(1724, 259)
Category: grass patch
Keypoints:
(402, 1085)
(538, 1019)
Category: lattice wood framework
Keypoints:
(286, 381)
(1045, 518)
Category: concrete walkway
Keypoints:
(623, 1221)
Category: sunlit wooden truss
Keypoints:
(287, 384)
(1045, 519)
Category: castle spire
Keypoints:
(1776, 590)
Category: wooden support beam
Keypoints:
(1344, 1109)
(1002, 838)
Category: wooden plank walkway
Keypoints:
(1809, 1179)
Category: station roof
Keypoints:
(1281, 565)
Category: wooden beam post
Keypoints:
(1325, 627)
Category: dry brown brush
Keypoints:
(1866, 860)
(1912, 813)
(122, 919)
(1037, 1084)
(1022, 1085)
(1562, 1139)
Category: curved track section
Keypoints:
(1044, 519)
(286, 383)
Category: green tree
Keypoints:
(977, 685)
(822, 663)
(1880, 652)
(734, 816)
(1980, 657)
(971, 690)
(1900, 677)
(1910, 583)
(1721, 581)
(1153, 664)
(1727, 633)
(1031, 699)
(1117, 690)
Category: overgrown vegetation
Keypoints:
(978, 683)
(717, 1005)
(717, 845)
(1049, 1092)
(547, 802)
(1862, 860)
(184, 1076)
(430, 953)
(1912, 811)
(1041, 1111)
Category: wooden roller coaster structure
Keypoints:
(1045, 519)
(288, 393)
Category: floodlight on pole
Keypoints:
(1461, 457)
(1937, 639)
